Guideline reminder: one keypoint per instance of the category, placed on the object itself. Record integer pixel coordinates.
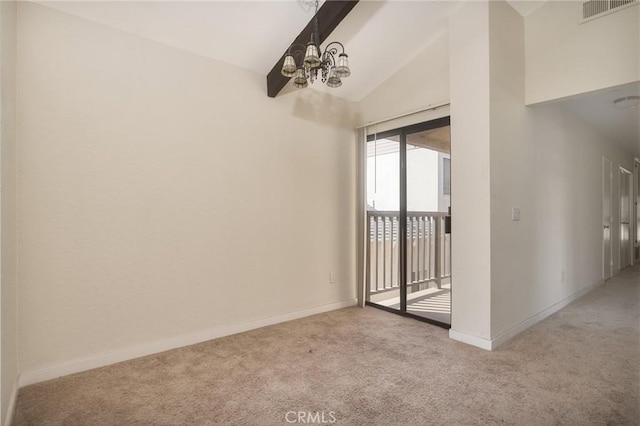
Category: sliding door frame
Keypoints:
(403, 132)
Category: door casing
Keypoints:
(607, 207)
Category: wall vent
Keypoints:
(592, 9)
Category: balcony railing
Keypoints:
(428, 250)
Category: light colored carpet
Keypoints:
(578, 367)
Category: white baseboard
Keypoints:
(8, 420)
(470, 339)
(520, 327)
(37, 376)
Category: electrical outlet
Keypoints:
(332, 277)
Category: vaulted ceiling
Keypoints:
(379, 36)
(248, 34)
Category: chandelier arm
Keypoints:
(335, 42)
(301, 46)
(297, 50)
(316, 27)
(330, 52)
(328, 58)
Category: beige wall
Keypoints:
(565, 58)
(8, 274)
(423, 82)
(162, 193)
(516, 262)
(541, 160)
(470, 171)
(549, 164)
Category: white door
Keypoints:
(607, 185)
(626, 182)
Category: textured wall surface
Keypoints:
(162, 193)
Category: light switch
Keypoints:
(515, 214)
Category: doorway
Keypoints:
(626, 213)
(607, 208)
(408, 251)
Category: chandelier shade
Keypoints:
(289, 66)
(342, 70)
(334, 80)
(315, 63)
(300, 81)
(312, 57)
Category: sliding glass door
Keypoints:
(428, 201)
(383, 214)
(408, 199)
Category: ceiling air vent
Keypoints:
(592, 9)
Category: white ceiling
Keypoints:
(621, 126)
(525, 7)
(380, 37)
(248, 34)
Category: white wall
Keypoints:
(423, 82)
(540, 159)
(549, 164)
(162, 193)
(516, 264)
(470, 171)
(565, 58)
(8, 274)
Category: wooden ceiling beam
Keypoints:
(330, 14)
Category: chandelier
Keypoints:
(314, 64)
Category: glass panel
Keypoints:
(428, 245)
(383, 210)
